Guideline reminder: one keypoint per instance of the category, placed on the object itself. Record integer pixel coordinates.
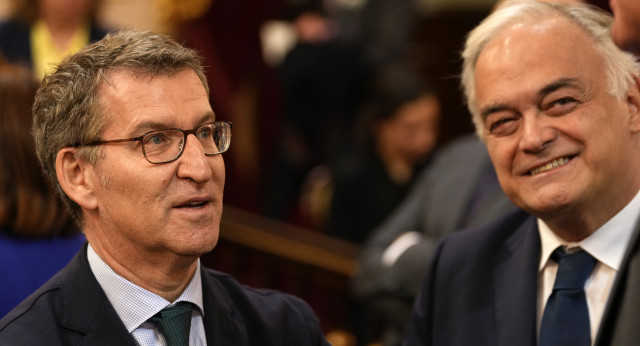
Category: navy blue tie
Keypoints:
(565, 320)
(174, 323)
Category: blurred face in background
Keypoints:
(626, 24)
(66, 10)
(412, 132)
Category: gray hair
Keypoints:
(621, 67)
(67, 110)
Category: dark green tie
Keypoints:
(174, 323)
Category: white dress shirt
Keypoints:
(607, 245)
(135, 305)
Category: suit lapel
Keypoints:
(85, 309)
(221, 322)
(515, 276)
(619, 324)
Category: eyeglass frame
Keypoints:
(185, 134)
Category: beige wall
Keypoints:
(126, 14)
(131, 14)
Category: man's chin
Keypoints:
(196, 247)
(547, 209)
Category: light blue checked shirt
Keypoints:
(135, 305)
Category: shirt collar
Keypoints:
(133, 304)
(607, 244)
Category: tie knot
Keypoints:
(174, 323)
(573, 269)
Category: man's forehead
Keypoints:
(139, 102)
(532, 56)
(550, 35)
(113, 76)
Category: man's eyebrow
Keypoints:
(572, 83)
(146, 126)
(494, 108)
(151, 125)
(207, 117)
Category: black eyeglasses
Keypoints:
(163, 146)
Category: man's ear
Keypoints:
(633, 105)
(75, 176)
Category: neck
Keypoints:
(62, 31)
(162, 274)
(571, 230)
(577, 224)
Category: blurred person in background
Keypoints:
(340, 45)
(321, 79)
(42, 32)
(457, 190)
(626, 24)
(397, 130)
(37, 237)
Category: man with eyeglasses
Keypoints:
(125, 131)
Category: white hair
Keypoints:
(621, 67)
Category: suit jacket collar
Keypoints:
(85, 309)
(619, 321)
(515, 278)
(222, 323)
(515, 282)
(86, 313)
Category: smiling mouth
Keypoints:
(551, 165)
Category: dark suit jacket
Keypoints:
(15, 42)
(72, 309)
(481, 289)
(622, 314)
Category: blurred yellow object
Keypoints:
(176, 12)
(340, 338)
(46, 53)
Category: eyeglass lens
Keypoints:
(167, 145)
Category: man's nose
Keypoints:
(537, 133)
(193, 163)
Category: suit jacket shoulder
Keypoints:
(72, 309)
(250, 316)
(69, 309)
(481, 287)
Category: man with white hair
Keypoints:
(557, 104)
